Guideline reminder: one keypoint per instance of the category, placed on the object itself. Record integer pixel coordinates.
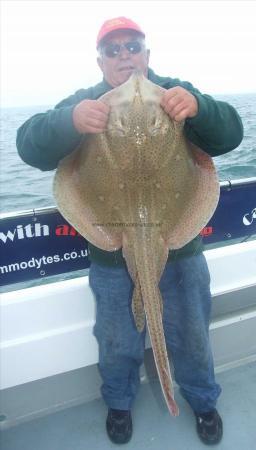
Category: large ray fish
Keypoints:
(142, 186)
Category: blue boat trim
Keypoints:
(39, 243)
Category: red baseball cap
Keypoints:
(118, 23)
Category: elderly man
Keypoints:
(214, 126)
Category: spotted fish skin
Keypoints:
(149, 261)
(139, 186)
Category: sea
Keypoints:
(23, 187)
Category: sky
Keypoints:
(48, 47)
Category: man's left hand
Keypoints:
(179, 103)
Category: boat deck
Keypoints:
(83, 427)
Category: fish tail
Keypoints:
(145, 262)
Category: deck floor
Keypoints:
(83, 427)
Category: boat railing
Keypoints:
(40, 243)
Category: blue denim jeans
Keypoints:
(187, 306)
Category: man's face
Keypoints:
(118, 69)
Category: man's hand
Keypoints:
(90, 116)
(179, 103)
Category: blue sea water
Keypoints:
(23, 187)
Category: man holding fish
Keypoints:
(211, 125)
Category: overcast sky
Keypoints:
(48, 47)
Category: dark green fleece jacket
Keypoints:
(44, 139)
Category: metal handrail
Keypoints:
(227, 184)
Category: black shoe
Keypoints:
(209, 427)
(119, 426)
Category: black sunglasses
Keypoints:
(112, 50)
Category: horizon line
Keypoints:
(34, 105)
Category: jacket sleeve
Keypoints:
(217, 128)
(44, 139)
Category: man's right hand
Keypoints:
(90, 116)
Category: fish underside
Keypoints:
(140, 186)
